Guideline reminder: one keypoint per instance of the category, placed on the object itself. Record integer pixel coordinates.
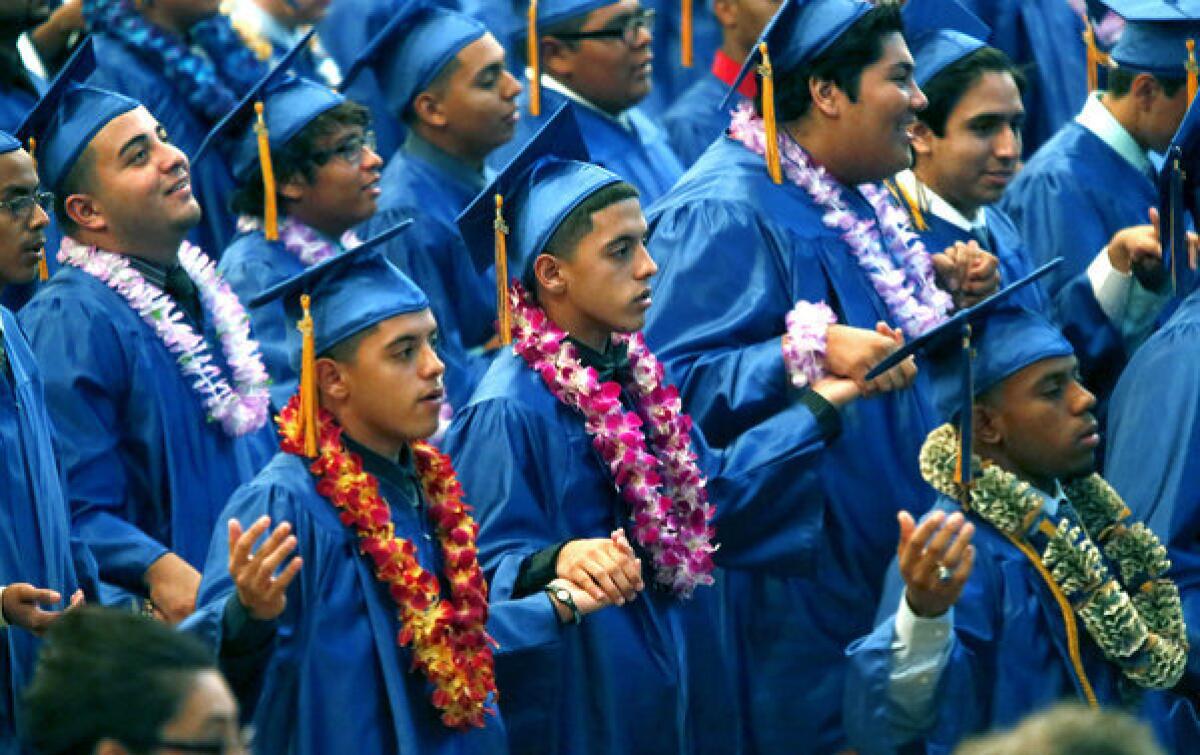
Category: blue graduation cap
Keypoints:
(939, 34)
(412, 49)
(798, 32)
(528, 200)
(8, 143)
(1159, 36)
(985, 358)
(338, 298)
(67, 117)
(1179, 199)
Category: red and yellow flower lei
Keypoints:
(448, 638)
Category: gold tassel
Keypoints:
(1191, 70)
(685, 35)
(533, 46)
(270, 201)
(503, 315)
(1093, 58)
(308, 379)
(914, 207)
(43, 268)
(768, 100)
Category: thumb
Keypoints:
(1154, 221)
(45, 597)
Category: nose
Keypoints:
(510, 87)
(432, 365)
(647, 267)
(644, 36)
(39, 219)
(917, 100)
(370, 159)
(1083, 400)
(1007, 145)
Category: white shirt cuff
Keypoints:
(1110, 286)
(919, 640)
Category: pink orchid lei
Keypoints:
(241, 408)
(910, 291)
(804, 341)
(662, 483)
(301, 240)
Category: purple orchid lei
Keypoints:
(660, 480)
(910, 291)
(309, 246)
(241, 408)
(804, 342)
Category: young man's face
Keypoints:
(744, 20)
(973, 163)
(1040, 420)
(140, 188)
(344, 189)
(1163, 116)
(480, 99)
(394, 383)
(611, 73)
(22, 230)
(607, 278)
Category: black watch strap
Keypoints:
(563, 595)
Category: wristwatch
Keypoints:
(563, 595)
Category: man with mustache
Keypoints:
(157, 391)
(443, 76)
(777, 275)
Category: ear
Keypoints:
(293, 189)
(333, 382)
(922, 138)
(989, 424)
(550, 275)
(827, 98)
(86, 212)
(558, 59)
(1146, 90)
(726, 13)
(428, 109)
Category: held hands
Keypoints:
(259, 589)
(852, 352)
(935, 560)
(1138, 250)
(22, 606)
(967, 273)
(584, 602)
(606, 569)
(173, 585)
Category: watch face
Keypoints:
(562, 594)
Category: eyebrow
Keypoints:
(903, 67)
(138, 141)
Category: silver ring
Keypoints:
(944, 573)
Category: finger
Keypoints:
(622, 581)
(584, 581)
(270, 563)
(271, 545)
(77, 599)
(239, 553)
(935, 549)
(280, 585)
(44, 597)
(911, 554)
(1154, 221)
(622, 542)
(964, 567)
(907, 525)
(40, 621)
(601, 576)
(962, 541)
(633, 572)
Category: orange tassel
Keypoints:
(43, 268)
(532, 49)
(503, 314)
(1191, 70)
(768, 100)
(685, 34)
(308, 379)
(1093, 61)
(270, 201)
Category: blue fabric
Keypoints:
(15, 104)
(735, 252)
(939, 34)
(626, 679)
(35, 536)
(120, 69)
(146, 473)
(697, 118)
(670, 79)
(1009, 658)
(641, 156)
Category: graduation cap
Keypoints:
(986, 355)
(939, 34)
(1159, 38)
(549, 13)
(279, 106)
(528, 200)
(8, 143)
(1179, 198)
(337, 298)
(798, 32)
(412, 49)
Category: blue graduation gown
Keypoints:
(735, 252)
(146, 472)
(696, 118)
(332, 680)
(627, 679)
(121, 70)
(1009, 658)
(670, 78)
(35, 536)
(641, 156)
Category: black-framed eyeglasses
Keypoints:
(20, 208)
(243, 744)
(627, 29)
(349, 151)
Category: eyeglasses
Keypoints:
(22, 207)
(349, 151)
(627, 29)
(243, 744)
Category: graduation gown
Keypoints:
(120, 69)
(696, 119)
(1009, 658)
(35, 536)
(627, 679)
(146, 472)
(332, 680)
(640, 155)
(735, 252)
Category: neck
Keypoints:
(579, 327)
(966, 209)
(733, 50)
(388, 451)
(329, 229)
(825, 144)
(165, 253)
(448, 144)
(1001, 459)
(1124, 110)
(351, 425)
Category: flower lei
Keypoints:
(804, 341)
(212, 83)
(1135, 617)
(241, 408)
(655, 471)
(449, 642)
(910, 291)
(301, 240)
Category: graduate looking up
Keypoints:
(999, 603)
(583, 466)
(443, 75)
(379, 643)
(594, 55)
(153, 382)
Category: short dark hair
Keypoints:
(1120, 82)
(576, 225)
(107, 674)
(78, 181)
(946, 89)
(859, 46)
(438, 86)
(296, 157)
(346, 350)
